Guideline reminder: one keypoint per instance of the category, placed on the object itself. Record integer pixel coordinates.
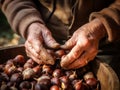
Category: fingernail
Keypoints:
(63, 57)
(56, 45)
(62, 46)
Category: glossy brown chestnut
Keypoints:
(55, 81)
(25, 84)
(19, 59)
(46, 69)
(60, 53)
(55, 87)
(28, 73)
(57, 73)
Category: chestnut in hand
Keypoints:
(59, 53)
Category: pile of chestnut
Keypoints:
(19, 73)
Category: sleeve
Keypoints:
(110, 17)
(20, 14)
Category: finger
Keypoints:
(50, 41)
(84, 59)
(69, 44)
(41, 53)
(78, 63)
(36, 43)
(33, 57)
(72, 55)
(31, 50)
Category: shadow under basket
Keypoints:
(105, 74)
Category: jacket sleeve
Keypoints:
(20, 14)
(110, 17)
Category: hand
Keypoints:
(38, 37)
(83, 45)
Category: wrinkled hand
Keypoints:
(83, 45)
(38, 37)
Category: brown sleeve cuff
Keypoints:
(110, 17)
(20, 14)
(111, 26)
(23, 24)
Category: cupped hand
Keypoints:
(37, 38)
(83, 45)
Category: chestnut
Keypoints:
(10, 68)
(4, 87)
(81, 71)
(73, 76)
(81, 86)
(16, 78)
(59, 53)
(40, 87)
(46, 69)
(13, 88)
(33, 83)
(25, 84)
(92, 82)
(10, 61)
(78, 85)
(44, 80)
(88, 75)
(57, 73)
(75, 81)
(19, 59)
(10, 84)
(68, 72)
(31, 61)
(64, 82)
(37, 69)
(55, 87)
(20, 69)
(55, 81)
(28, 73)
(4, 77)
(27, 65)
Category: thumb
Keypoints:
(69, 44)
(50, 41)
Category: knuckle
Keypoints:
(87, 42)
(47, 33)
(84, 43)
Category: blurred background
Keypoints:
(7, 36)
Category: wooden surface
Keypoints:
(106, 75)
